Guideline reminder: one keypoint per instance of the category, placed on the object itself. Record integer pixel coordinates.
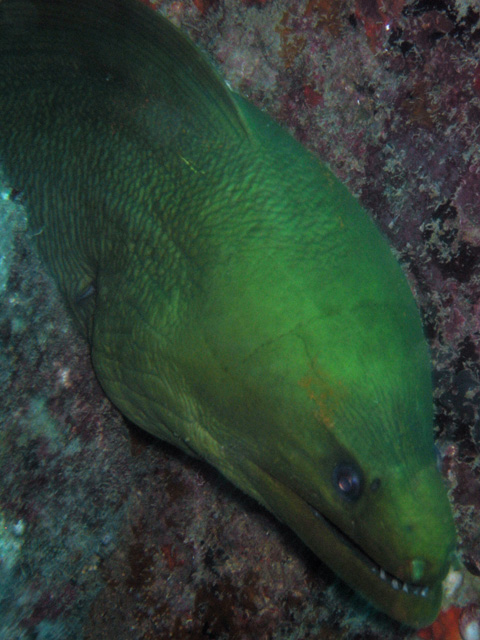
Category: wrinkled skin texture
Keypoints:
(239, 302)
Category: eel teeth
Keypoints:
(398, 585)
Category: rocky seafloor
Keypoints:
(106, 532)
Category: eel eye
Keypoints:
(348, 481)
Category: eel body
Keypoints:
(238, 301)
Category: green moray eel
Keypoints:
(238, 301)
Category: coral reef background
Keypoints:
(107, 533)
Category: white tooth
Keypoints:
(416, 591)
(405, 587)
(383, 574)
(395, 584)
(373, 569)
(424, 592)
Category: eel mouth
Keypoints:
(410, 603)
(393, 581)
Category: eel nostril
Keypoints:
(417, 569)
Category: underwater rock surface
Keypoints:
(106, 532)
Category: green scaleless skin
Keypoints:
(239, 302)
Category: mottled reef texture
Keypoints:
(106, 533)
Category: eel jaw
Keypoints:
(395, 583)
(411, 604)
